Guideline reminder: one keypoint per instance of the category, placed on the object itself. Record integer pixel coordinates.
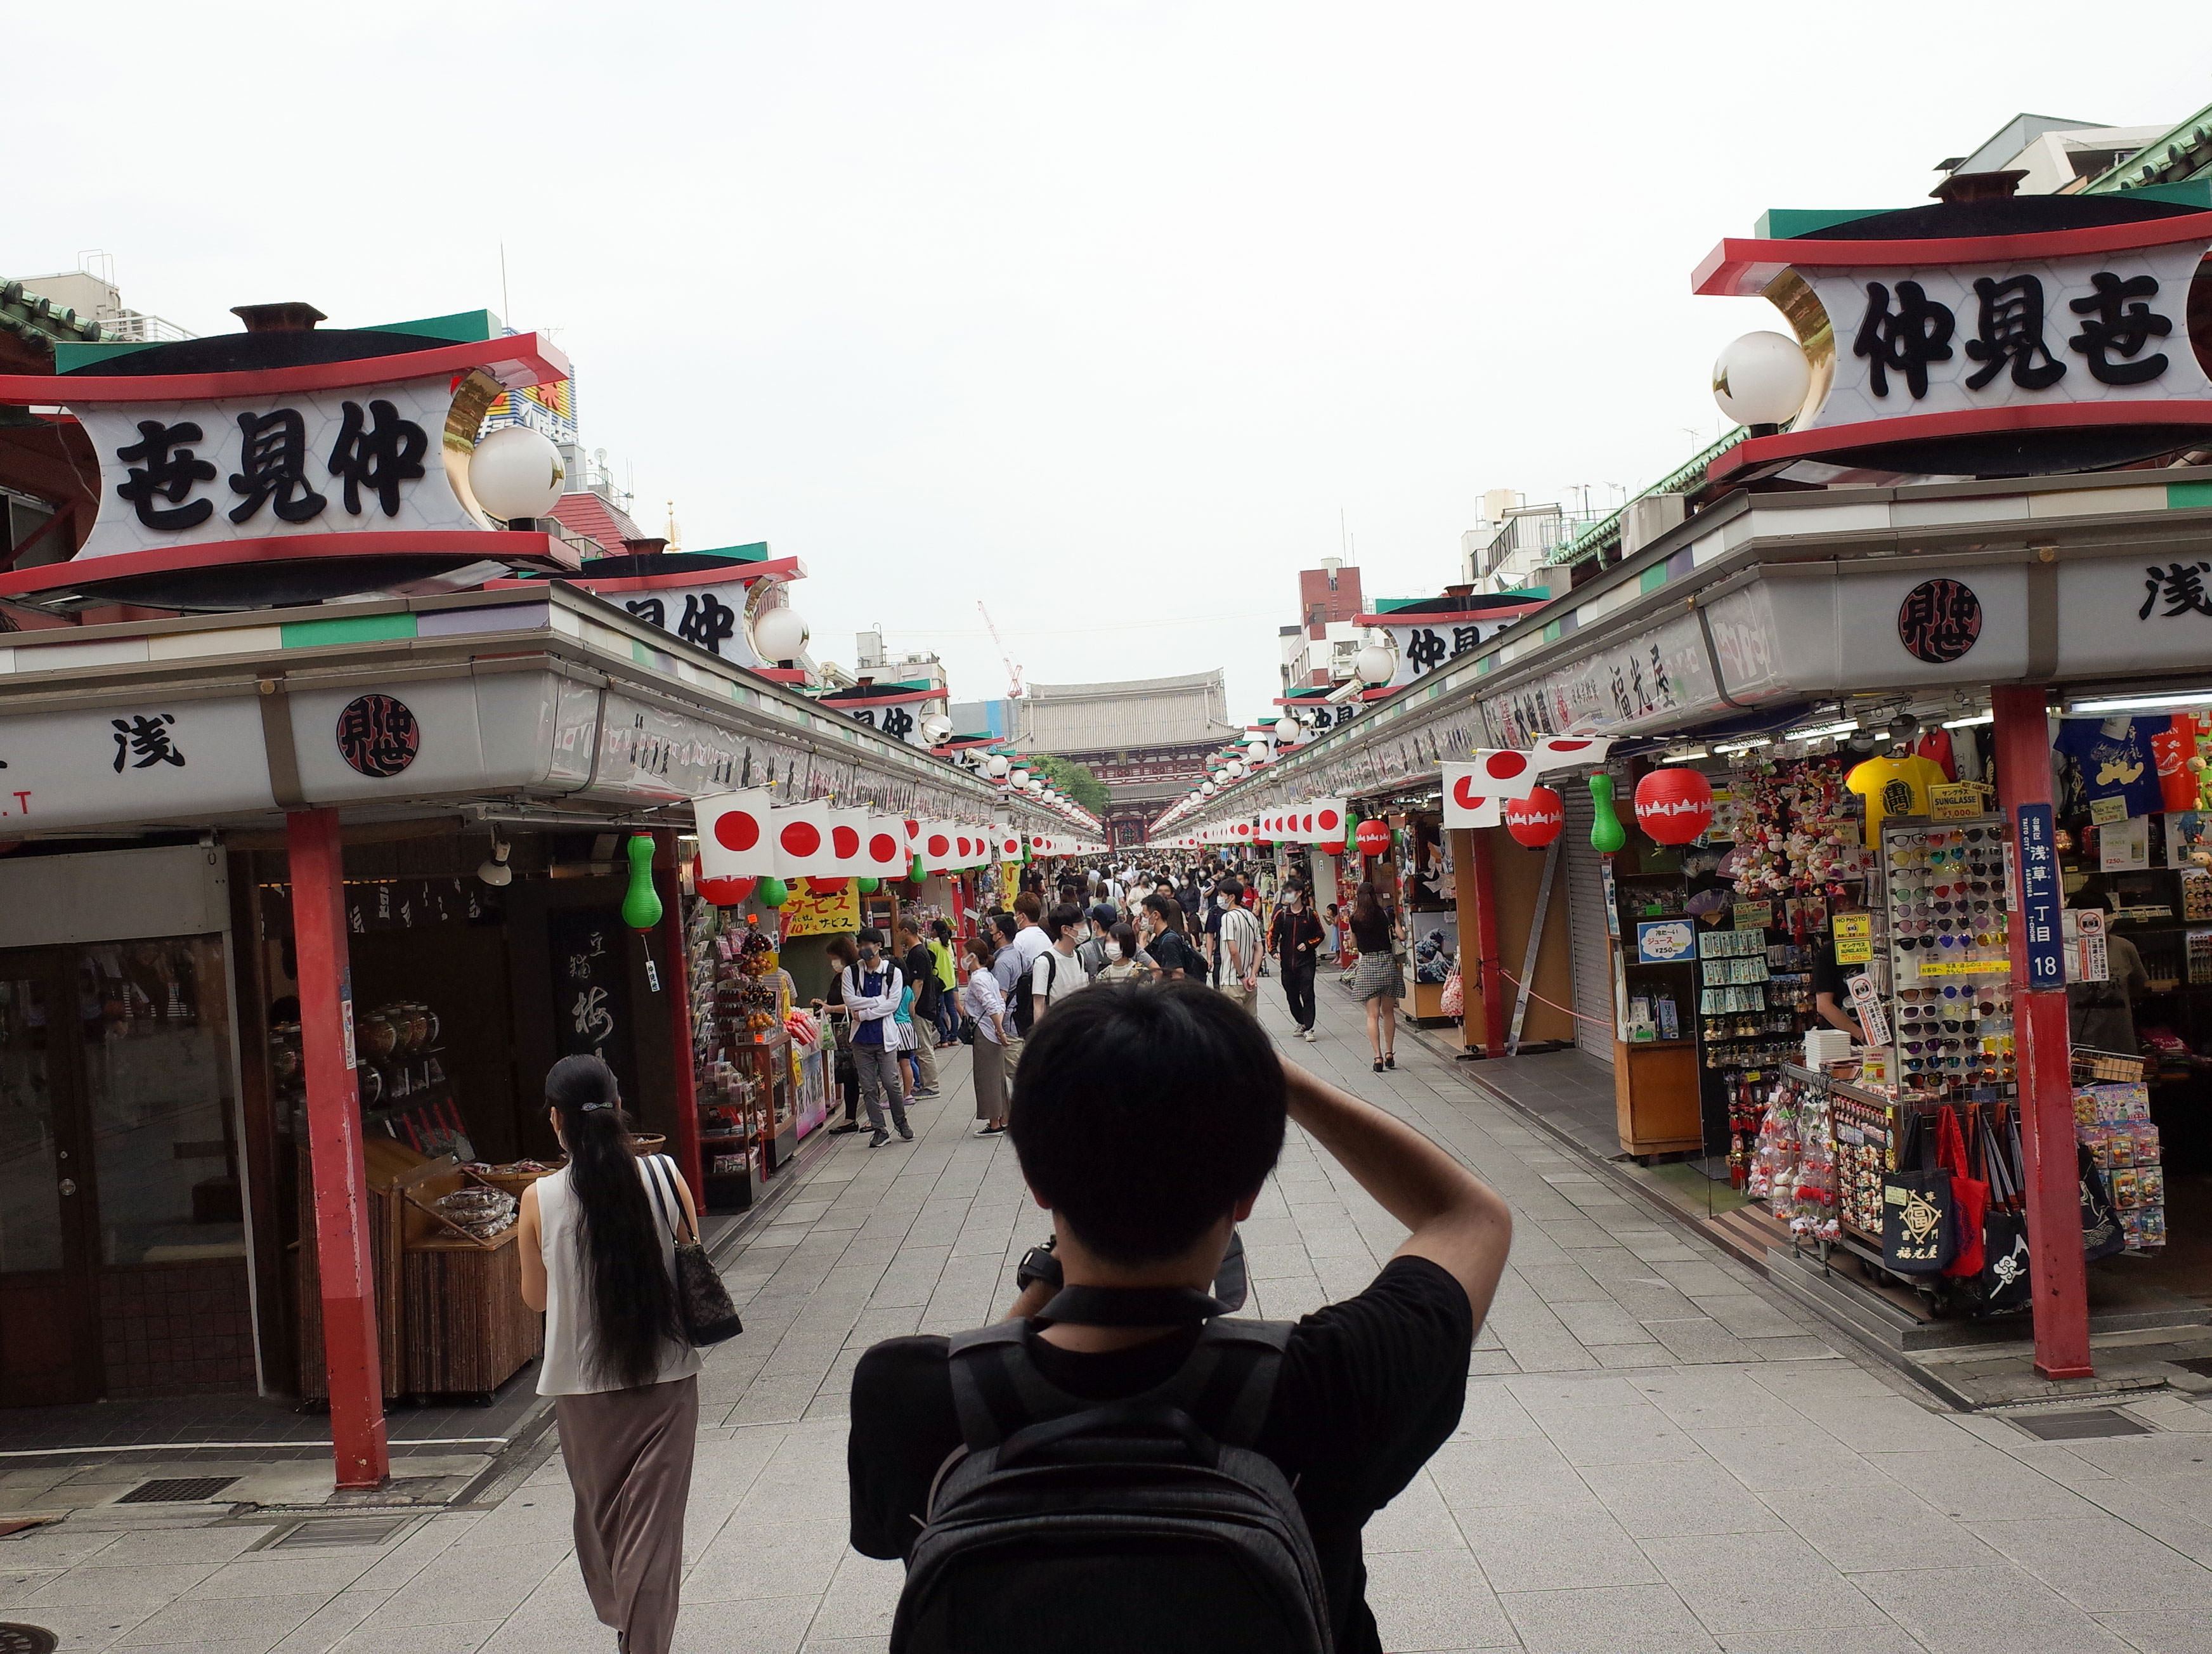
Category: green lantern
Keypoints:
(641, 908)
(914, 875)
(772, 892)
(1606, 833)
(870, 887)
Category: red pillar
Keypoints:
(341, 1256)
(676, 983)
(2044, 1058)
(1492, 976)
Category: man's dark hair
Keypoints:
(1005, 925)
(1065, 916)
(871, 937)
(1116, 1072)
(1230, 888)
(1030, 903)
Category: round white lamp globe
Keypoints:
(780, 634)
(1207, 789)
(1375, 664)
(1019, 777)
(1761, 379)
(516, 472)
(999, 766)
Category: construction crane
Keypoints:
(1013, 671)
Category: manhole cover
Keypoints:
(26, 1640)
(331, 1532)
(176, 1490)
(2079, 1426)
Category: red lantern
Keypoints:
(1674, 806)
(726, 892)
(1535, 821)
(1373, 836)
(826, 886)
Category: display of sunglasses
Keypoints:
(1974, 834)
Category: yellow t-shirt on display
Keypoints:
(1894, 786)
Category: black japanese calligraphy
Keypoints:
(144, 741)
(707, 621)
(2179, 586)
(2010, 329)
(2118, 322)
(377, 735)
(1903, 341)
(650, 610)
(273, 459)
(898, 722)
(377, 456)
(1465, 638)
(169, 471)
(1424, 649)
(1939, 621)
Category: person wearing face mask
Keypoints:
(1296, 938)
(871, 991)
(1091, 950)
(1125, 960)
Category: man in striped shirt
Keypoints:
(1241, 944)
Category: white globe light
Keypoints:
(999, 766)
(780, 634)
(1208, 789)
(1257, 747)
(1020, 777)
(1761, 379)
(1375, 664)
(1234, 768)
(1036, 784)
(516, 472)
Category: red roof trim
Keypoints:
(1743, 268)
(504, 545)
(1836, 441)
(525, 359)
(1447, 616)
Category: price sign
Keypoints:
(1953, 801)
(1854, 935)
(2036, 858)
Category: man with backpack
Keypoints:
(1092, 949)
(921, 968)
(1121, 1454)
(1057, 972)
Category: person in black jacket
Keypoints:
(1296, 941)
(921, 968)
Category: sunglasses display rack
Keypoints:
(1943, 907)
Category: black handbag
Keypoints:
(1919, 1219)
(700, 1298)
(2102, 1234)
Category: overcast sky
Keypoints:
(1104, 314)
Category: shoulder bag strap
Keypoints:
(661, 1173)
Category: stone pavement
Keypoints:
(1656, 1455)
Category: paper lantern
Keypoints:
(1607, 836)
(1373, 836)
(726, 892)
(1535, 820)
(641, 908)
(1674, 805)
(870, 887)
(825, 886)
(772, 893)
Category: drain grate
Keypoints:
(176, 1490)
(26, 1640)
(329, 1532)
(2079, 1426)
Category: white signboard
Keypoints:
(1431, 643)
(711, 617)
(321, 462)
(147, 760)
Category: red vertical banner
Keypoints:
(342, 1255)
(1492, 975)
(2045, 1063)
(683, 1058)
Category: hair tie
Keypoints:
(593, 1108)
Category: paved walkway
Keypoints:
(1656, 1456)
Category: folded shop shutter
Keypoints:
(1586, 927)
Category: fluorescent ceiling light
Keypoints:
(1684, 757)
(1968, 723)
(1821, 730)
(1732, 747)
(2144, 702)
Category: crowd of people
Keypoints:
(1137, 989)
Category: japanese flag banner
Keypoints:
(1466, 803)
(934, 845)
(883, 849)
(849, 841)
(1564, 751)
(802, 842)
(734, 834)
(1320, 821)
(1501, 772)
(1009, 844)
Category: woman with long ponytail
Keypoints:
(598, 1245)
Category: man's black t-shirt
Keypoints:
(1370, 1389)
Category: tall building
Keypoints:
(1318, 651)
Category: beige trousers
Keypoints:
(629, 1457)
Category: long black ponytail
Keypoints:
(633, 1301)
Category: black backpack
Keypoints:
(1068, 1526)
(1025, 990)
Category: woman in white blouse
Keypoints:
(986, 1002)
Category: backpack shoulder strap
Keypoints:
(996, 1387)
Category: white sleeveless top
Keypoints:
(564, 1371)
